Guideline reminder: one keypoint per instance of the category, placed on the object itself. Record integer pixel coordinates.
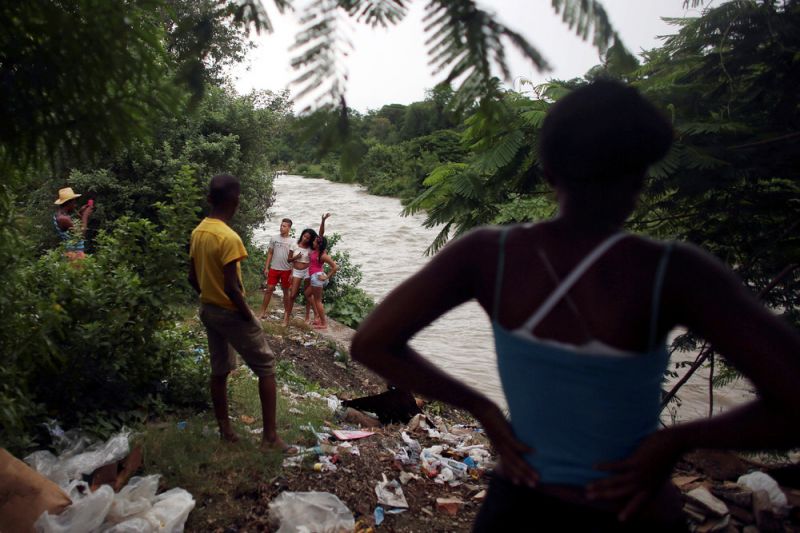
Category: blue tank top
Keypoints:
(578, 408)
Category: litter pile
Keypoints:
(87, 487)
(442, 465)
(754, 500)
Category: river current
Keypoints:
(390, 247)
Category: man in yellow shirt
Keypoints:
(215, 274)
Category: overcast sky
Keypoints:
(391, 65)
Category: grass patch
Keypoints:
(222, 476)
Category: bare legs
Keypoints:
(219, 397)
(267, 393)
(294, 290)
(319, 308)
(287, 305)
(265, 304)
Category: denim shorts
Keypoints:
(316, 282)
(302, 274)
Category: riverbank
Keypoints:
(233, 485)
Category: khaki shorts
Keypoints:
(228, 331)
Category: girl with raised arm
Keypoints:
(319, 280)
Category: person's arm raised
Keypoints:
(381, 343)
(705, 296)
(321, 231)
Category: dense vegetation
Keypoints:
(728, 80)
(130, 107)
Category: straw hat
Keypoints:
(65, 195)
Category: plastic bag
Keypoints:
(302, 512)
(134, 498)
(761, 481)
(390, 493)
(76, 462)
(87, 512)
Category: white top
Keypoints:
(301, 254)
(280, 247)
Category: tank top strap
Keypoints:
(570, 280)
(658, 285)
(501, 265)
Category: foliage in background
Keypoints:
(96, 340)
(345, 301)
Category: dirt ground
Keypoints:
(356, 476)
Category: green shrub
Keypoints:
(344, 300)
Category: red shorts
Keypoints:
(279, 275)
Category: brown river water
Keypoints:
(461, 341)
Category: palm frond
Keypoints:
(468, 41)
(588, 17)
(376, 12)
(319, 44)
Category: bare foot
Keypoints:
(278, 445)
(229, 436)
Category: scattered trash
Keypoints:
(756, 481)
(135, 508)
(449, 506)
(181, 425)
(351, 435)
(418, 422)
(325, 464)
(707, 501)
(79, 460)
(413, 444)
(293, 461)
(379, 515)
(390, 493)
(480, 496)
(405, 477)
(247, 419)
(256, 431)
(396, 511)
(295, 411)
(310, 511)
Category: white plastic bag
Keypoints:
(87, 512)
(136, 497)
(761, 481)
(76, 462)
(318, 512)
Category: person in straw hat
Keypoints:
(70, 228)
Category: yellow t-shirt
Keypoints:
(213, 246)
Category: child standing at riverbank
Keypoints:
(215, 273)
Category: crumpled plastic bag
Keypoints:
(761, 481)
(135, 509)
(87, 512)
(75, 461)
(390, 493)
(134, 498)
(305, 512)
